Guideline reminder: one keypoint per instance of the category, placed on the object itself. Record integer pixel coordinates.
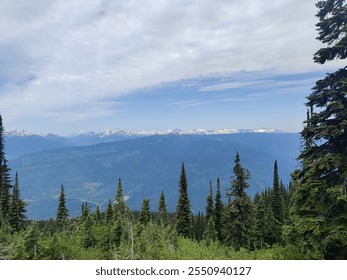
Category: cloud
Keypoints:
(57, 56)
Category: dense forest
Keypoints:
(305, 220)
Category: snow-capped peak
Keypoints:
(18, 133)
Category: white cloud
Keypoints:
(57, 56)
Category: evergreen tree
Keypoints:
(277, 205)
(97, 214)
(218, 212)
(261, 225)
(238, 214)
(209, 205)
(183, 212)
(17, 208)
(145, 215)
(5, 180)
(163, 217)
(109, 212)
(210, 234)
(31, 240)
(85, 211)
(119, 202)
(88, 238)
(319, 201)
(62, 212)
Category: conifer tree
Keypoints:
(109, 212)
(17, 208)
(97, 214)
(62, 212)
(183, 212)
(218, 212)
(163, 217)
(119, 202)
(277, 204)
(5, 180)
(238, 215)
(209, 205)
(261, 226)
(85, 211)
(88, 238)
(145, 215)
(319, 201)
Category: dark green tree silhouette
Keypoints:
(319, 202)
(17, 208)
(145, 214)
(163, 216)
(62, 212)
(183, 212)
(277, 205)
(218, 212)
(238, 218)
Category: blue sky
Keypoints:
(72, 66)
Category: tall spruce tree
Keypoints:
(277, 205)
(145, 214)
(17, 208)
(119, 202)
(62, 212)
(5, 181)
(209, 205)
(109, 212)
(163, 217)
(183, 213)
(238, 215)
(218, 212)
(319, 201)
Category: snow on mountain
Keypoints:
(18, 133)
(138, 133)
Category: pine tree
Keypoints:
(277, 205)
(85, 211)
(145, 215)
(88, 238)
(163, 217)
(109, 212)
(319, 201)
(218, 212)
(261, 226)
(238, 215)
(97, 214)
(5, 180)
(183, 212)
(17, 208)
(119, 202)
(209, 205)
(62, 212)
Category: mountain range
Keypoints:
(21, 142)
(146, 163)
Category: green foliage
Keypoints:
(17, 208)
(120, 207)
(238, 219)
(318, 217)
(183, 212)
(62, 212)
(218, 213)
(145, 215)
(163, 217)
(277, 204)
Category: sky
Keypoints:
(72, 66)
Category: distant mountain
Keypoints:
(148, 165)
(20, 142)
